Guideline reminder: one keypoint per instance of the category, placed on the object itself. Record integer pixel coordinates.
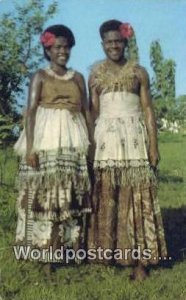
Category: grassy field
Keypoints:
(24, 280)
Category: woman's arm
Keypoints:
(93, 98)
(150, 121)
(33, 100)
(94, 111)
(84, 105)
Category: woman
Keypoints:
(53, 176)
(126, 211)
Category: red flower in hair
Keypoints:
(126, 30)
(47, 39)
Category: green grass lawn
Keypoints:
(24, 280)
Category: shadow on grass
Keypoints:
(175, 232)
(170, 179)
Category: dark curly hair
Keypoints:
(111, 25)
(60, 30)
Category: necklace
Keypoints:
(115, 69)
(68, 75)
(106, 79)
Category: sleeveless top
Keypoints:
(60, 92)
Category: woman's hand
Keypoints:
(32, 160)
(91, 152)
(154, 156)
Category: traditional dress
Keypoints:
(126, 213)
(53, 199)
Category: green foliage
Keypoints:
(168, 110)
(20, 52)
(163, 83)
(168, 79)
(7, 126)
(181, 108)
(132, 51)
(171, 110)
(8, 166)
(156, 58)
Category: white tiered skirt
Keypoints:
(56, 129)
(53, 197)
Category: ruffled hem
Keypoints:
(56, 168)
(126, 173)
(58, 177)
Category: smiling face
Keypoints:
(114, 45)
(59, 52)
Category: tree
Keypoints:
(20, 53)
(168, 80)
(181, 111)
(156, 58)
(163, 83)
(132, 51)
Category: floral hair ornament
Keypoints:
(47, 39)
(126, 30)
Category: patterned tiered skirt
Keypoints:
(54, 198)
(126, 216)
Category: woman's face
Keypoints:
(59, 52)
(114, 45)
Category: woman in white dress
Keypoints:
(126, 213)
(53, 178)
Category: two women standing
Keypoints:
(55, 188)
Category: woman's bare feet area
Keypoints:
(139, 273)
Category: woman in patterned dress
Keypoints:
(53, 176)
(126, 213)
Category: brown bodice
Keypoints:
(60, 92)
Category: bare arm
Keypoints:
(94, 113)
(93, 99)
(84, 105)
(33, 100)
(150, 121)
